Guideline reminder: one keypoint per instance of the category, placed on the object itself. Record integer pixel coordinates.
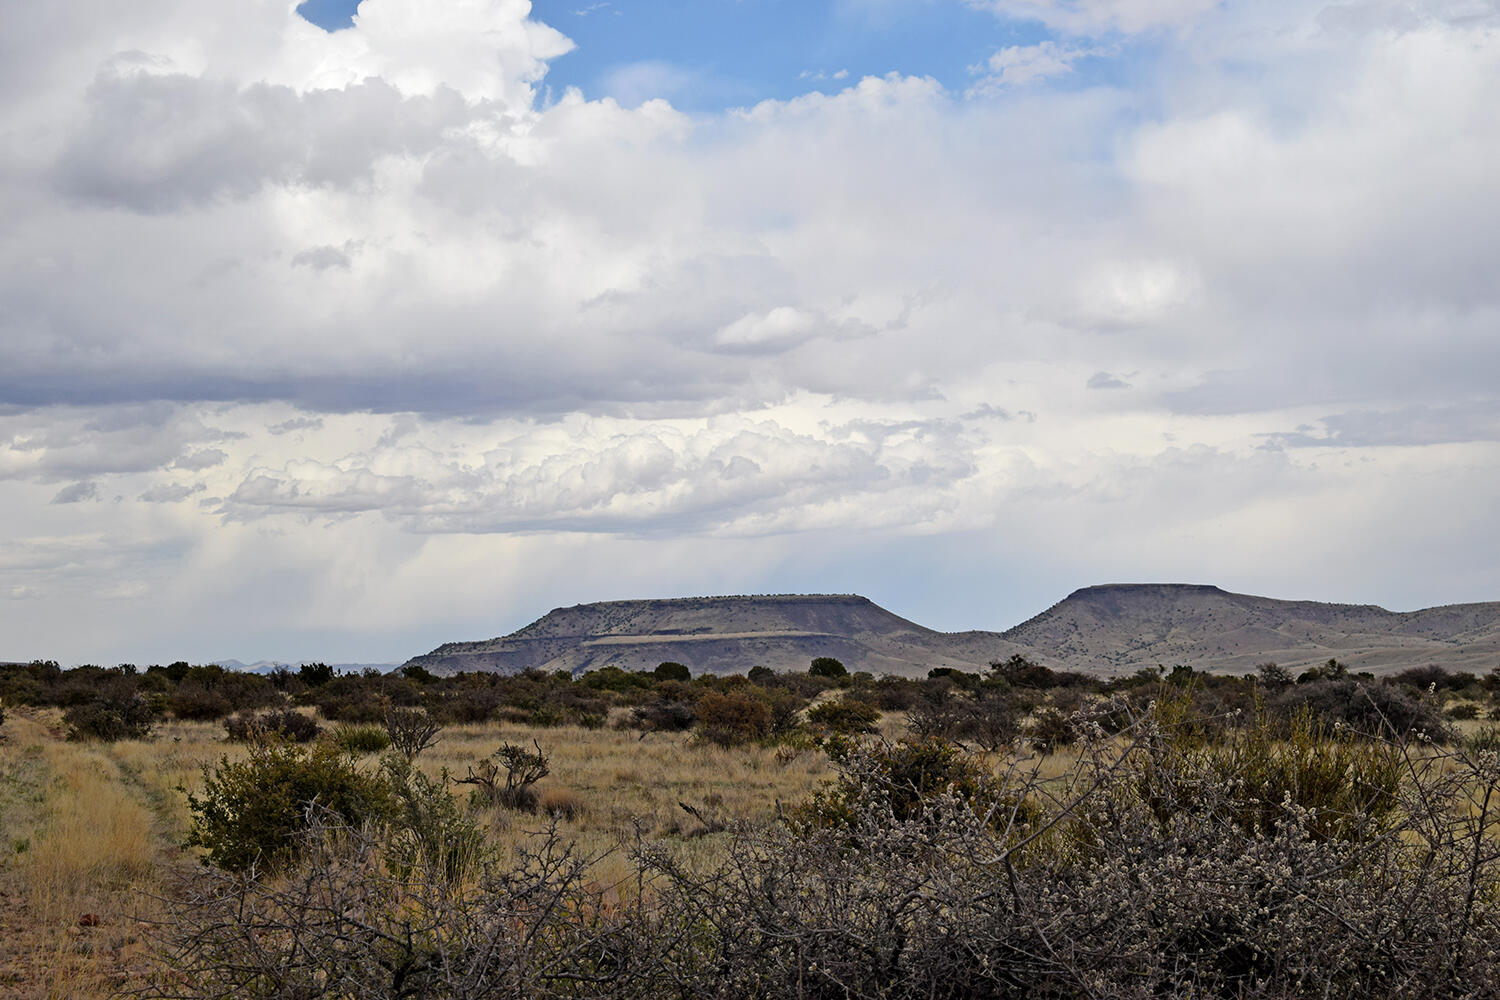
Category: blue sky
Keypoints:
(339, 345)
(707, 55)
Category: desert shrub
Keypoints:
(1370, 709)
(1433, 676)
(988, 718)
(427, 829)
(349, 925)
(1148, 871)
(251, 812)
(760, 675)
(1330, 783)
(827, 666)
(559, 803)
(664, 716)
(1463, 711)
(1020, 672)
(1273, 676)
(844, 716)
(359, 740)
(286, 724)
(1051, 729)
(901, 778)
(410, 730)
(612, 678)
(112, 717)
(506, 777)
(936, 714)
(732, 718)
(198, 702)
(670, 670)
(896, 694)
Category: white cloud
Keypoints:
(1094, 17)
(1021, 65)
(359, 301)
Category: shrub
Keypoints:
(112, 717)
(664, 716)
(1369, 709)
(734, 717)
(844, 716)
(505, 778)
(1464, 711)
(427, 830)
(286, 724)
(359, 740)
(902, 779)
(251, 812)
(670, 670)
(410, 731)
(1051, 729)
(560, 803)
(827, 666)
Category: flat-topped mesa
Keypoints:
(722, 634)
(1114, 628)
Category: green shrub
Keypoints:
(359, 740)
(670, 670)
(827, 666)
(112, 717)
(428, 829)
(251, 812)
(844, 716)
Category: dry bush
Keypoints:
(505, 778)
(410, 730)
(1167, 863)
(285, 724)
(731, 718)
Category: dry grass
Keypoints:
(93, 829)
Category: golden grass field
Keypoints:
(90, 833)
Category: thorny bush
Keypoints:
(1172, 860)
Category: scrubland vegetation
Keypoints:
(185, 831)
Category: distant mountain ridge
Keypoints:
(1107, 629)
(1119, 628)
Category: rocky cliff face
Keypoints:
(1110, 629)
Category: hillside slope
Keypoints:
(1119, 628)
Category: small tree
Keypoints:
(827, 666)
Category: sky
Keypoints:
(340, 340)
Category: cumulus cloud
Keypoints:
(362, 299)
(725, 474)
